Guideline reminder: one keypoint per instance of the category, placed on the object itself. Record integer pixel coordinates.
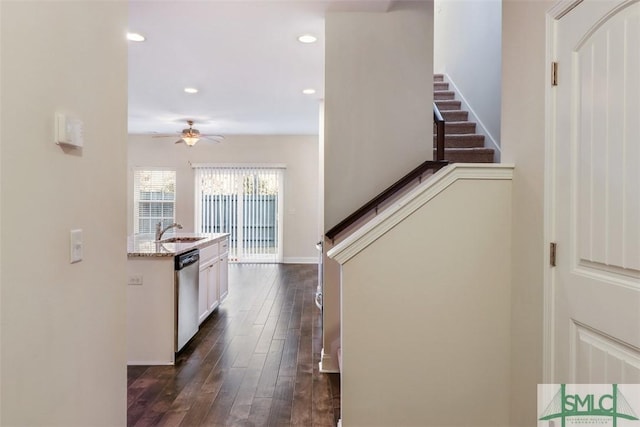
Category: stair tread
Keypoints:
(457, 112)
(443, 93)
(476, 154)
(469, 149)
(459, 128)
(462, 142)
(462, 136)
(446, 104)
(455, 115)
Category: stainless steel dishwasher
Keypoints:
(187, 266)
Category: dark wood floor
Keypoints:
(254, 362)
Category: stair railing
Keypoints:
(417, 173)
(373, 204)
(438, 122)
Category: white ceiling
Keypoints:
(242, 56)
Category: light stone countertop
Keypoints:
(144, 245)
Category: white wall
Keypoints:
(467, 47)
(426, 310)
(299, 153)
(525, 75)
(63, 325)
(378, 119)
(378, 102)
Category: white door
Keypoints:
(596, 203)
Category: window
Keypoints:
(154, 199)
(245, 202)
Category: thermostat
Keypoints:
(69, 130)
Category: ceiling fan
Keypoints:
(191, 135)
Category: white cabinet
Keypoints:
(224, 246)
(223, 282)
(212, 285)
(203, 308)
(214, 278)
(208, 288)
(208, 281)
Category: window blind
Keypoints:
(154, 196)
(245, 202)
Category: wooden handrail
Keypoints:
(433, 165)
(439, 122)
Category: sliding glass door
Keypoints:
(245, 202)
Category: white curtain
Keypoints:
(246, 202)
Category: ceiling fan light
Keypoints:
(190, 140)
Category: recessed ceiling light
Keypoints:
(309, 91)
(135, 37)
(191, 90)
(307, 38)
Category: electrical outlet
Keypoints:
(135, 279)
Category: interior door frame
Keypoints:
(557, 11)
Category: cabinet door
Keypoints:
(213, 299)
(224, 246)
(224, 276)
(203, 292)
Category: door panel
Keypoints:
(212, 281)
(600, 359)
(608, 116)
(596, 284)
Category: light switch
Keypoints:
(75, 254)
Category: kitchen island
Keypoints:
(151, 301)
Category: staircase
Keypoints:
(462, 143)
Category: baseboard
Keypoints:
(149, 363)
(473, 117)
(328, 364)
(301, 260)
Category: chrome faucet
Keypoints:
(160, 232)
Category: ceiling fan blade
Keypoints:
(214, 138)
(179, 141)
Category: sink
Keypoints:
(181, 239)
